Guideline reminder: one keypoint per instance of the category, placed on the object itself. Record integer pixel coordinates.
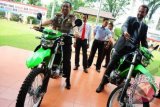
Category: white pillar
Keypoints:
(97, 19)
(8, 15)
(52, 13)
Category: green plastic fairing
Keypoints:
(37, 57)
(51, 34)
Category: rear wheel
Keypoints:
(30, 94)
(113, 100)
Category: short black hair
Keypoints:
(105, 19)
(86, 15)
(68, 3)
(111, 23)
(145, 6)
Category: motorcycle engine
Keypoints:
(115, 78)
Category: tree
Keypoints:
(90, 3)
(115, 6)
(17, 0)
(153, 6)
(34, 2)
(77, 3)
(57, 8)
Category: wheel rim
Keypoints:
(114, 102)
(115, 97)
(33, 96)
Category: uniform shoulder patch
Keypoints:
(58, 14)
(71, 15)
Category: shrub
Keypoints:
(15, 17)
(117, 33)
(2, 14)
(34, 20)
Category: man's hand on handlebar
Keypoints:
(38, 28)
(126, 35)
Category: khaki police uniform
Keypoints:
(65, 24)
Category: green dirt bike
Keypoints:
(43, 64)
(137, 91)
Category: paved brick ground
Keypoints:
(82, 92)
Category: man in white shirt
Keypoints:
(82, 40)
(101, 34)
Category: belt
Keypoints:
(81, 39)
(99, 41)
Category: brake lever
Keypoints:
(131, 40)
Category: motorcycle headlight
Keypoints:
(47, 43)
(144, 61)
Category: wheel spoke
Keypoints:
(29, 95)
(113, 99)
(33, 101)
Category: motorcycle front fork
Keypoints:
(48, 72)
(127, 81)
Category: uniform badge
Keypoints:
(68, 21)
(59, 20)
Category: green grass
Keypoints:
(154, 67)
(17, 35)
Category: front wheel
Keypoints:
(113, 100)
(31, 94)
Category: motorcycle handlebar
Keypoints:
(40, 29)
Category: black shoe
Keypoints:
(68, 85)
(88, 66)
(64, 75)
(85, 70)
(100, 88)
(75, 68)
(157, 95)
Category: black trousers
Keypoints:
(96, 45)
(106, 53)
(81, 43)
(67, 50)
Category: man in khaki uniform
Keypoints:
(64, 22)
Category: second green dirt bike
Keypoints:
(137, 91)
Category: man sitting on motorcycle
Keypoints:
(64, 23)
(123, 46)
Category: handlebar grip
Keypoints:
(41, 29)
(38, 29)
(131, 40)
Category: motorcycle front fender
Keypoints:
(144, 71)
(37, 57)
